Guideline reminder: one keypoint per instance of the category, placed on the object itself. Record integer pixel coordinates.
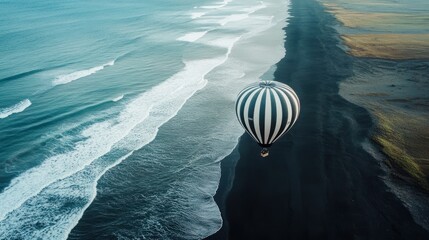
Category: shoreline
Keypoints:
(228, 165)
(333, 191)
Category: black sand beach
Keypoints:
(318, 182)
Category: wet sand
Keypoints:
(318, 182)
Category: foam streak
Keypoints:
(192, 37)
(67, 78)
(118, 98)
(17, 108)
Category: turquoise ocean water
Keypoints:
(114, 116)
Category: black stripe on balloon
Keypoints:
(251, 113)
(274, 122)
(296, 101)
(262, 115)
(273, 115)
(244, 96)
(292, 101)
(285, 113)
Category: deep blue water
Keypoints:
(114, 116)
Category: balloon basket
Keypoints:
(264, 152)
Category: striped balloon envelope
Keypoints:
(267, 110)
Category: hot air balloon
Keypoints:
(267, 110)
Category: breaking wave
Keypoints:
(17, 108)
(67, 78)
(192, 37)
(118, 98)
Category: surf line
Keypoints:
(70, 77)
(16, 108)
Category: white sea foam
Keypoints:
(136, 126)
(118, 98)
(222, 42)
(93, 185)
(233, 18)
(241, 16)
(67, 78)
(213, 6)
(196, 15)
(17, 108)
(192, 37)
(253, 9)
(217, 6)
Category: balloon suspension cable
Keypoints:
(265, 152)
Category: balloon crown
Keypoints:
(267, 83)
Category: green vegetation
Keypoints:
(390, 137)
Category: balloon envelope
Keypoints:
(267, 110)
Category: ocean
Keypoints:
(115, 116)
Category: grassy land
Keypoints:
(388, 46)
(390, 30)
(407, 153)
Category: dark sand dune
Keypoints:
(318, 182)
